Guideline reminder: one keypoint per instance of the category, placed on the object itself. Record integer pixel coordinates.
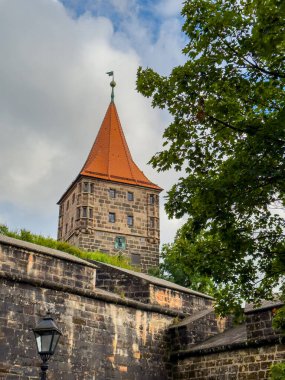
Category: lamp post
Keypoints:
(47, 335)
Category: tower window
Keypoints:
(130, 196)
(67, 205)
(90, 212)
(130, 220)
(112, 193)
(85, 187)
(112, 217)
(78, 212)
(151, 222)
(92, 188)
(84, 212)
(151, 199)
(73, 198)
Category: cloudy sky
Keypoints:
(54, 93)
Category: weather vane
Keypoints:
(112, 84)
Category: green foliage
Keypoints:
(227, 138)
(277, 371)
(25, 235)
(177, 268)
(278, 322)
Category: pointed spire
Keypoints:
(112, 84)
(110, 157)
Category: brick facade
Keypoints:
(84, 219)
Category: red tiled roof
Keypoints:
(110, 157)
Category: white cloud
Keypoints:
(169, 8)
(54, 94)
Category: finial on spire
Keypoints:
(112, 84)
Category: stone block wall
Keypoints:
(100, 340)
(105, 337)
(244, 352)
(44, 265)
(195, 329)
(150, 290)
(248, 363)
(121, 282)
(259, 324)
(84, 219)
(188, 302)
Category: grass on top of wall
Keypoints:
(26, 235)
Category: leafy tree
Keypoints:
(227, 137)
(175, 266)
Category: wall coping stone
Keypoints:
(265, 305)
(100, 294)
(192, 318)
(241, 343)
(157, 281)
(44, 250)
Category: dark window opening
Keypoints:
(84, 212)
(151, 199)
(130, 220)
(112, 217)
(85, 187)
(130, 196)
(112, 193)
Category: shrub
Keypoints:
(277, 371)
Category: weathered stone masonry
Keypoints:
(116, 324)
(245, 352)
(104, 336)
(149, 289)
(92, 230)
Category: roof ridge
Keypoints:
(125, 146)
(108, 155)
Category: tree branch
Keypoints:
(275, 74)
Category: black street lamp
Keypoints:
(47, 335)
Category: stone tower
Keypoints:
(112, 206)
